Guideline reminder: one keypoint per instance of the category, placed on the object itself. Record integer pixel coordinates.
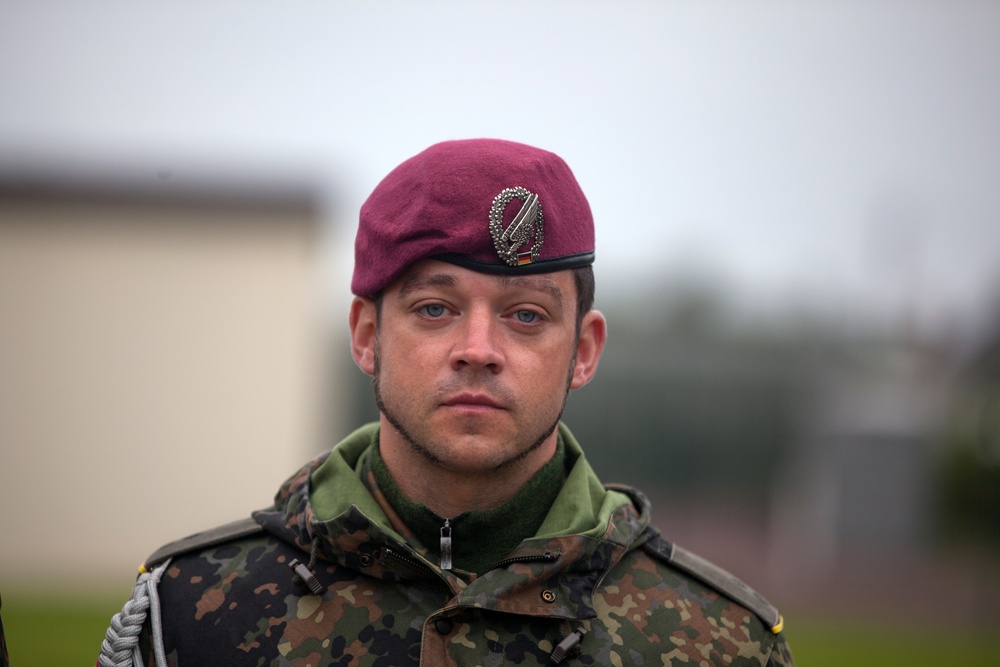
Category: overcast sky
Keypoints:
(828, 152)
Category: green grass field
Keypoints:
(819, 642)
(46, 632)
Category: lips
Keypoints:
(473, 401)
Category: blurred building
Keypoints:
(162, 356)
(806, 461)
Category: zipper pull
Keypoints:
(568, 647)
(446, 545)
(303, 575)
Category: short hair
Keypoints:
(583, 276)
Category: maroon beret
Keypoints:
(485, 204)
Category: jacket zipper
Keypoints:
(406, 560)
(548, 556)
(446, 545)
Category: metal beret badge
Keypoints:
(528, 221)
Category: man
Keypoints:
(465, 527)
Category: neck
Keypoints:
(479, 539)
(448, 492)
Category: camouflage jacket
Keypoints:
(603, 589)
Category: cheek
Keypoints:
(549, 367)
(405, 360)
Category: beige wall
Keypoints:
(162, 370)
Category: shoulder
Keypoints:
(225, 570)
(714, 577)
(235, 530)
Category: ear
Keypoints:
(593, 333)
(362, 321)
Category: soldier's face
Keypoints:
(472, 370)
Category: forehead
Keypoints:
(433, 274)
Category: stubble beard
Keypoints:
(425, 451)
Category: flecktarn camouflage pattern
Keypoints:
(606, 595)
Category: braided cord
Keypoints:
(120, 647)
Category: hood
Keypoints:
(588, 530)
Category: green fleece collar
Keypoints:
(479, 538)
(583, 506)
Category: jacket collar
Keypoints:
(587, 531)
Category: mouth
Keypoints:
(473, 402)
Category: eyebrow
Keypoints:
(540, 283)
(418, 281)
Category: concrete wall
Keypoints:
(162, 370)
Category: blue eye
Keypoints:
(526, 316)
(433, 310)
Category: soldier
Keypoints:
(466, 526)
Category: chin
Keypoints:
(475, 456)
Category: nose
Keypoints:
(478, 346)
